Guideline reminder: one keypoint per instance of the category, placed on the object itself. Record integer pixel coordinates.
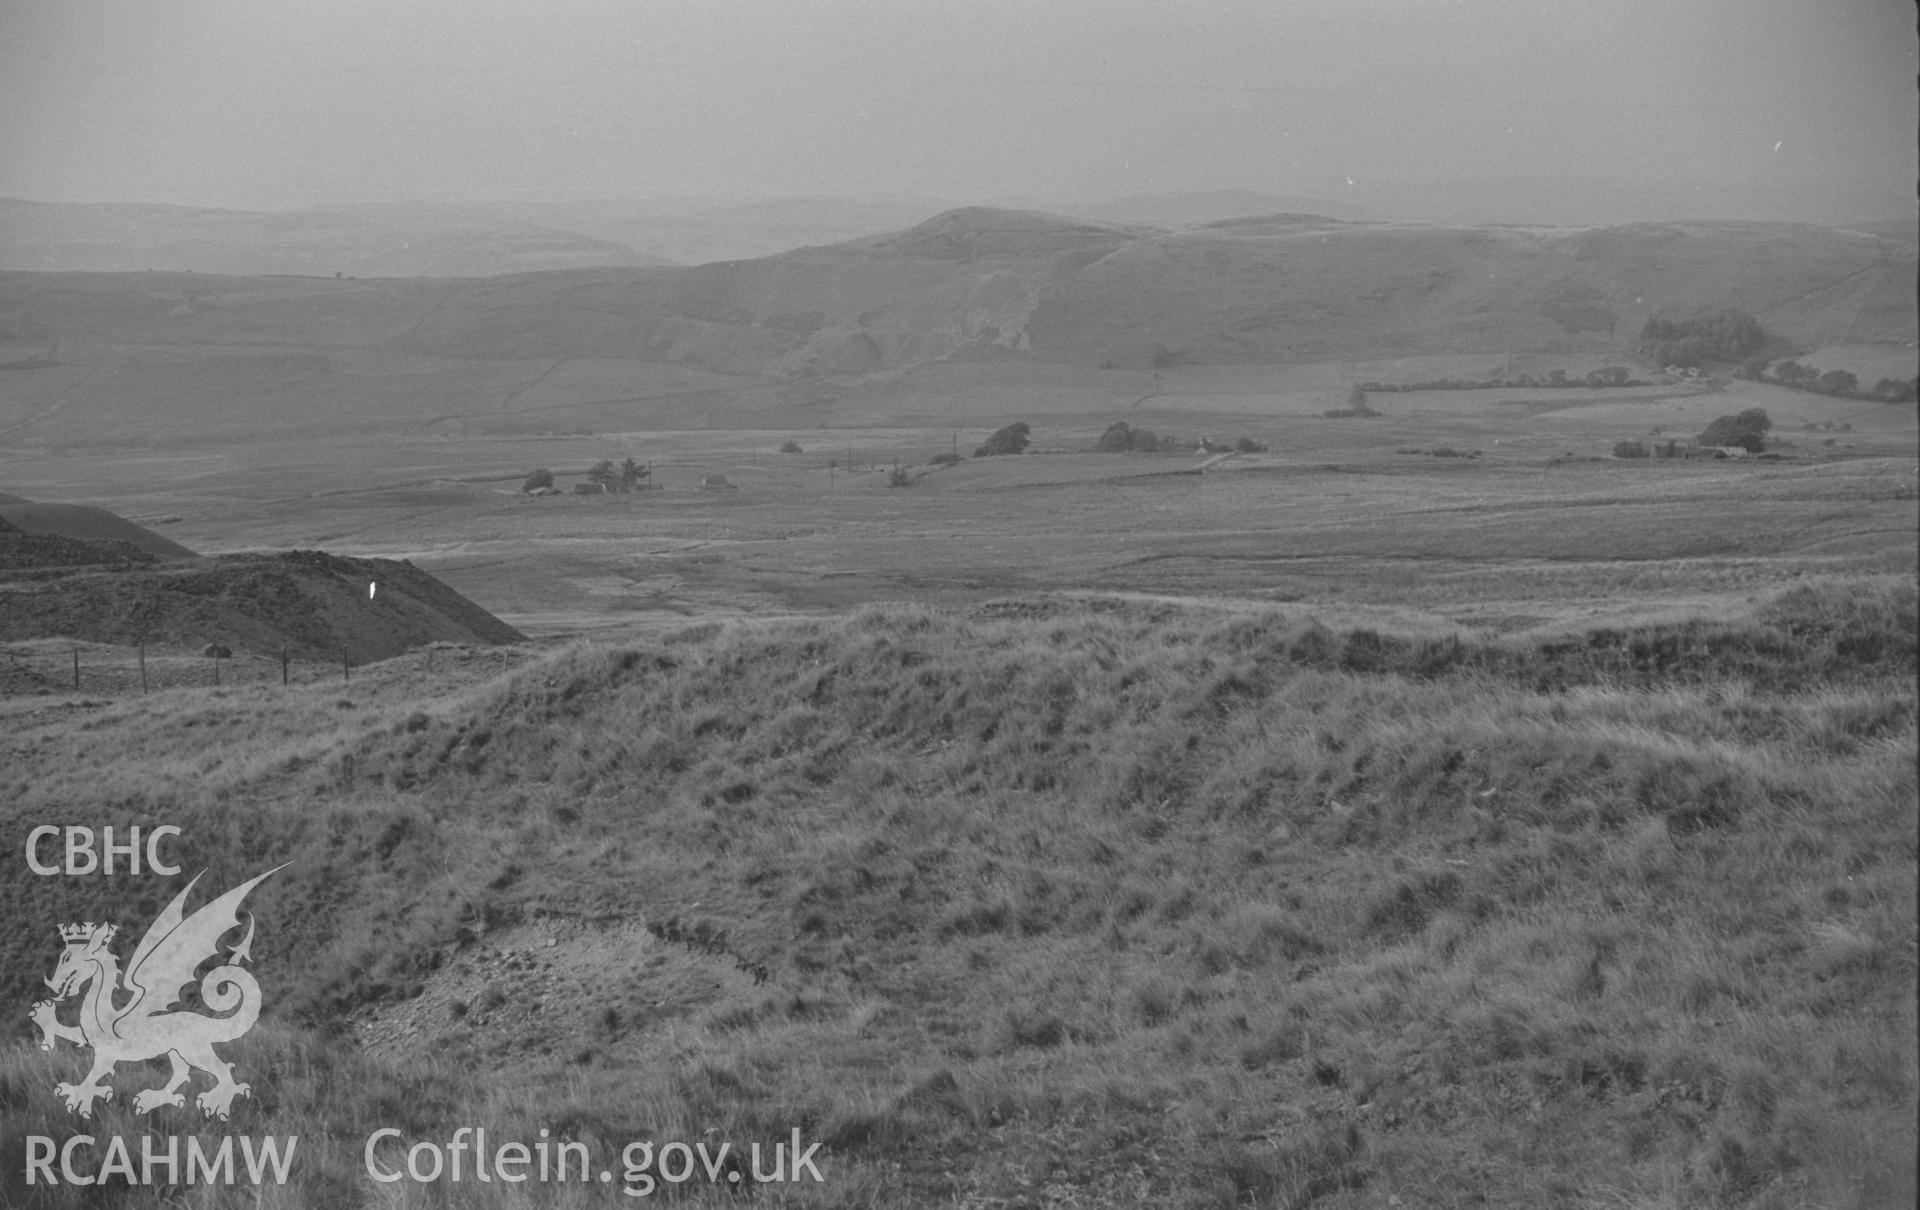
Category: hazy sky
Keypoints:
(277, 103)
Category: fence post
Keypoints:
(143, 667)
(346, 672)
(76, 668)
(283, 664)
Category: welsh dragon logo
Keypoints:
(125, 1017)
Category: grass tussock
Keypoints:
(1134, 904)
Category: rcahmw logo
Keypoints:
(124, 1016)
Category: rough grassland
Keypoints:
(1061, 903)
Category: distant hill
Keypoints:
(84, 524)
(700, 231)
(982, 282)
(1191, 209)
(74, 571)
(435, 239)
(309, 602)
(121, 238)
(182, 359)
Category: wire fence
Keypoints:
(42, 667)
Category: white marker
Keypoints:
(371, 585)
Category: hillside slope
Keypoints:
(158, 357)
(978, 282)
(312, 604)
(1135, 903)
(84, 523)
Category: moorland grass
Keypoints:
(1088, 902)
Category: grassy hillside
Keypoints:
(835, 334)
(306, 603)
(1065, 901)
(1301, 289)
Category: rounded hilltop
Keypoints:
(82, 573)
(975, 231)
(34, 534)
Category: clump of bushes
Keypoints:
(1893, 390)
(1747, 429)
(1121, 438)
(1630, 449)
(1012, 439)
(790, 447)
(944, 459)
(1843, 384)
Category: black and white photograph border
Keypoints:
(986, 605)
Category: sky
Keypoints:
(275, 104)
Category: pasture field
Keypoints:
(1348, 824)
(1357, 510)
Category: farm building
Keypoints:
(717, 483)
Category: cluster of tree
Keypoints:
(1606, 376)
(1842, 383)
(606, 474)
(1725, 335)
(610, 477)
(1121, 438)
(1010, 440)
(1747, 429)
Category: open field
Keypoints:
(1354, 509)
(1265, 526)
